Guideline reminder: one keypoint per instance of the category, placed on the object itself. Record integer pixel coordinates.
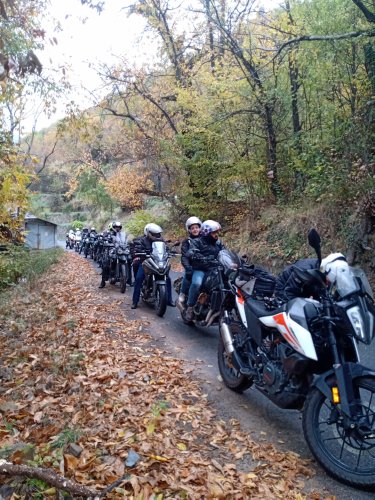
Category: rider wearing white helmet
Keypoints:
(193, 227)
(204, 250)
(142, 247)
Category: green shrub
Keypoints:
(139, 219)
(19, 263)
(77, 224)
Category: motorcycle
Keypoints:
(119, 265)
(156, 267)
(77, 241)
(213, 295)
(303, 355)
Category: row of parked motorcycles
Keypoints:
(116, 261)
(301, 354)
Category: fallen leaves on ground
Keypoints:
(75, 369)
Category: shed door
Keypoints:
(46, 236)
(32, 236)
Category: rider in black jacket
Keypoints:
(204, 250)
(143, 245)
(193, 227)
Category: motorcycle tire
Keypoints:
(161, 300)
(327, 437)
(123, 278)
(86, 252)
(232, 378)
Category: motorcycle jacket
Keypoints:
(185, 248)
(203, 251)
(288, 286)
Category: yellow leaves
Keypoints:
(151, 427)
(182, 446)
(127, 186)
(159, 458)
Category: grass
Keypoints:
(19, 264)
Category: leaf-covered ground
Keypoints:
(75, 370)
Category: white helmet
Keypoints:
(334, 264)
(153, 231)
(191, 221)
(210, 226)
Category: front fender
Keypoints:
(355, 370)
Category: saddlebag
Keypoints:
(254, 282)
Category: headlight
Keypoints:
(355, 317)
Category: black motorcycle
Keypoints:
(156, 267)
(214, 296)
(119, 264)
(303, 355)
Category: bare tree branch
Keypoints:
(370, 16)
(322, 38)
(47, 475)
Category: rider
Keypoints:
(288, 286)
(193, 227)
(121, 238)
(204, 250)
(143, 245)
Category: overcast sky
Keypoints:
(87, 39)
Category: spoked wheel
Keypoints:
(123, 277)
(161, 300)
(231, 376)
(346, 454)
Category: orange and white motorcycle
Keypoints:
(303, 355)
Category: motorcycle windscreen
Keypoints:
(228, 259)
(159, 249)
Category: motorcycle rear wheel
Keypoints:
(123, 277)
(161, 300)
(232, 378)
(344, 454)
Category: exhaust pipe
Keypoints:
(227, 338)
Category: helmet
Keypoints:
(332, 265)
(92, 229)
(209, 226)
(117, 224)
(110, 225)
(191, 221)
(153, 231)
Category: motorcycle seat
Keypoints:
(259, 308)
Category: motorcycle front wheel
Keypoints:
(346, 454)
(123, 277)
(161, 300)
(232, 378)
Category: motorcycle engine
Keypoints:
(274, 377)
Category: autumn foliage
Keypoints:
(128, 186)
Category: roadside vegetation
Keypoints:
(22, 265)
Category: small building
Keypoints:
(40, 234)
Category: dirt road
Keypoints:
(257, 416)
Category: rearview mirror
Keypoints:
(314, 241)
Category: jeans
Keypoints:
(138, 286)
(185, 285)
(196, 283)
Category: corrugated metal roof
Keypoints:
(31, 217)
